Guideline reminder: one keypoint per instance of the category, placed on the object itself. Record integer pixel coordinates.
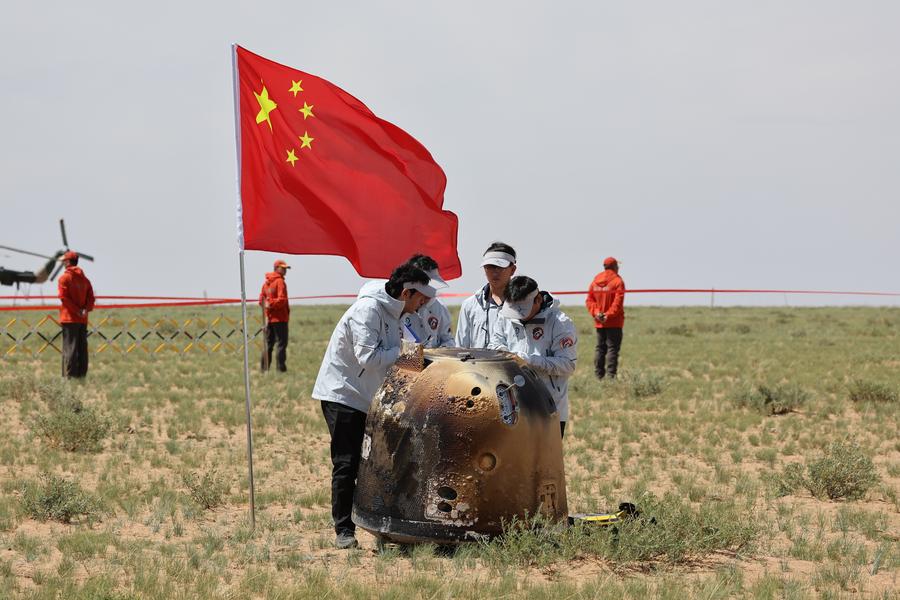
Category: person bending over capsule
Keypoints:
(532, 326)
(366, 342)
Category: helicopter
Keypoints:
(49, 271)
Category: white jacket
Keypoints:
(548, 343)
(364, 345)
(478, 316)
(431, 324)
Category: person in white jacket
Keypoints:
(478, 313)
(532, 326)
(431, 324)
(366, 342)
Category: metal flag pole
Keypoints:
(247, 396)
(240, 224)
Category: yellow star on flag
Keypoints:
(306, 141)
(291, 157)
(307, 110)
(265, 107)
(295, 87)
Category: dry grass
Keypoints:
(675, 434)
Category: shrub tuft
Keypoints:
(58, 499)
(843, 471)
(870, 391)
(772, 400)
(68, 423)
(208, 490)
(644, 385)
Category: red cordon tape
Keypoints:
(196, 301)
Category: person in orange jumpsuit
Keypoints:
(274, 299)
(606, 303)
(77, 297)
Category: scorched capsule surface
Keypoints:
(452, 451)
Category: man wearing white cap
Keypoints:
(532, 326)
(366, 342)
(431, 325)
(478, 313)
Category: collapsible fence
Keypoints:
(112, 333)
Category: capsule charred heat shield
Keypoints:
(456, 449)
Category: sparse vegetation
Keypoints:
(729, 486)
(871, 391)
(58, 499)
(206, 489)
(844, 471)
(65, 422)
(772, 399)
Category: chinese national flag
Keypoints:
(321, 174)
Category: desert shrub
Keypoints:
(670, 530)
(58, 499)
(790, 480)
(644, 385)
(18, 387)
(870, 391)
(772, 400)
(742, 328)
(68, 423)
(683, 330)
(208, 490)
(843, 471)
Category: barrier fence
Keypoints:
(35, 336)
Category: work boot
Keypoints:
(345, 541)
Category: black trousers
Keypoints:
(606, 356)
(276, 334)
(75, 350)
(346, 426)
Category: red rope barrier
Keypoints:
(169, 301)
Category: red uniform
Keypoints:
(77, 296)
(607, 295)
(275, 298)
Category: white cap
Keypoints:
(437, 281)
(498, 259)
(521, 309)
(427, 290)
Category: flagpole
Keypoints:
(240, 223)
(247, 396)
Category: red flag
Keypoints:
(321, 174)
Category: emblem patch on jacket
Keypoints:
(566, 342)
(433, 322)
(537, 333)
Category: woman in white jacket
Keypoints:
(532, 326)
(366, 342)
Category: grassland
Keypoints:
(764, 442)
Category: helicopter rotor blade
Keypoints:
(56, 271)
(26, 252)
(62, 228)
(85, 256)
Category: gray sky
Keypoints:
(725, 144)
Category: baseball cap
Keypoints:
(427, 290)
(610, 261)
(281, 263)
(521, 309)
(498, 259)
(69, 255)
(437, 282)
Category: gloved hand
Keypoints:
(525, 358)
(412, 356)
(410, 347)
(601, 317)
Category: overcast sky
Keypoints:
(727, 144)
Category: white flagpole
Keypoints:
(240, 222)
